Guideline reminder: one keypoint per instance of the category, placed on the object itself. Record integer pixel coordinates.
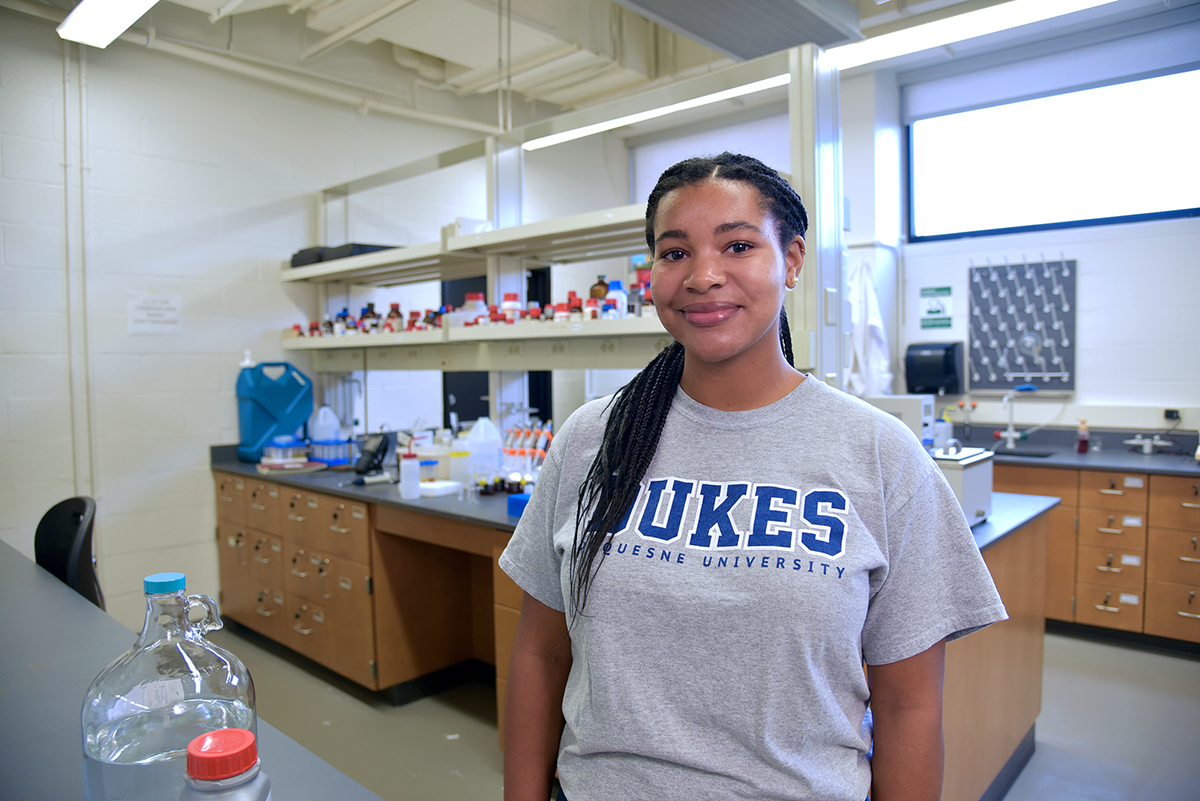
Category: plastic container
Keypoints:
(1083, 438)
(618, 297)
(460, 461)
(141, 712)
(274, 399)
(512, 306)
(485, 443)
(224, 765)
(410, 476)
(439, 455)
(285, 451)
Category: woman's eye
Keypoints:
(671, 255)
(740, 247)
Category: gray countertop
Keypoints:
(53, 642)
(1056, 448)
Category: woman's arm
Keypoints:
(533, 720)
(906, 703)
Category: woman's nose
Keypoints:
(705, 273)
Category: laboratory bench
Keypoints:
(405, 596)
(53, 643)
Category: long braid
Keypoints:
(638, 411)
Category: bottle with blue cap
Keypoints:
(172, 685)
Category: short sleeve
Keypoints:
(937, 585)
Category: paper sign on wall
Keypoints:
(155, 313)
(935, 307)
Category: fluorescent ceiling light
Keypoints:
(642, 116)
(98, 22)
(942, 32)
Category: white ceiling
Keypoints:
(554, 55)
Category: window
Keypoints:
(1116, 153)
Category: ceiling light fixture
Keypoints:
(99, 22)
(642, 116)
(942, 32)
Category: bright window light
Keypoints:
(1082, 157)
(98, 22)
(959, 28)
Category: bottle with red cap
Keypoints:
(224, 765)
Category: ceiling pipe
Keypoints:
(362, 103)
(344, 33)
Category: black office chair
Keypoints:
(63, 545)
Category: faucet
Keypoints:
(1010, 434)
(1148, 444)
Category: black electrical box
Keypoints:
(934, 368)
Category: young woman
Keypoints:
(711, 555)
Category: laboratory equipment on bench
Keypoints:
(915, 411)
(969, 471)
(274, 399)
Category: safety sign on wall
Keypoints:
(935, 307)
(154, 313)
(1022, 326)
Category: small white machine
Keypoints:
(915, 411)
(969, 471)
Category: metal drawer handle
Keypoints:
(1107, 569)
(1111, 530)
(1189, 505)
(1103, 608)
(1112, 492)
(258, 507)
(1188, 614)
(1189, 559)
(266, 612)
(340, 530)
(297, 518)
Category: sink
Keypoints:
(1026, 452)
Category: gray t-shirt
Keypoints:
(769, 554)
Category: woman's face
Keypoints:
(719, 274)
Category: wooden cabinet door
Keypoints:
(1111, 607)
(266, 558)
(233, 564)
(1061, 558)
(262, 506)
(1173, 610)
(1112, 568)
(231, 497)
(304, 573)
(1174, 556)
(308, 631)
(270, 616)
(349, 608)
(1101, 489)
(1112, 528)
(298, 518)
(345, 527)
(1175, 502)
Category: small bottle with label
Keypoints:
(599, 289)
(619, 297)
(511, 307)
(395, 320)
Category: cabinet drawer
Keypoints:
(1052, 481)
(1112, 528)
(269, 616)
(1175, 502)
(1100, 489)
(1173, 610)
(262, 506)
(1174, 556)
(266, 558)
(344, 527)
(298, 518)
(1111, 607)
(231, 497)
(233, 565)
(305, 575)
(308, 631)
(1112, 567)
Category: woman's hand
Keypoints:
(533, 720)
(906, 703)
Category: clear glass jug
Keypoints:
(173, 685)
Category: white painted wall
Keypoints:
(183, 180)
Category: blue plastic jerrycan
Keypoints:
(274, 399)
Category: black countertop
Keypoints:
(1056, 448)
(1009, 512)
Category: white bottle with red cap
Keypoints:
(223, 765)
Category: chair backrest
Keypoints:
(63, 545)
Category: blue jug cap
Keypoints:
(162, 583)
(616, 286)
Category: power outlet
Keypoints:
(1171, 414)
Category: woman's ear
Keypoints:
(793, 261)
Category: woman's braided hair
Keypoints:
(639, 409)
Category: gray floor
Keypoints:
(1117, 724)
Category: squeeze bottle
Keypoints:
(410, 476)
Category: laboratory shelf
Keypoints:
(590, 236)
(405, 265)
(291, 342)
(628, 326)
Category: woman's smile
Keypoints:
(708, 314)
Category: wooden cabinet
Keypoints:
(1173, 558)
(507, 610)
(1062, 521)
(1110, 568)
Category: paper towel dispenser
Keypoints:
(934, 367)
